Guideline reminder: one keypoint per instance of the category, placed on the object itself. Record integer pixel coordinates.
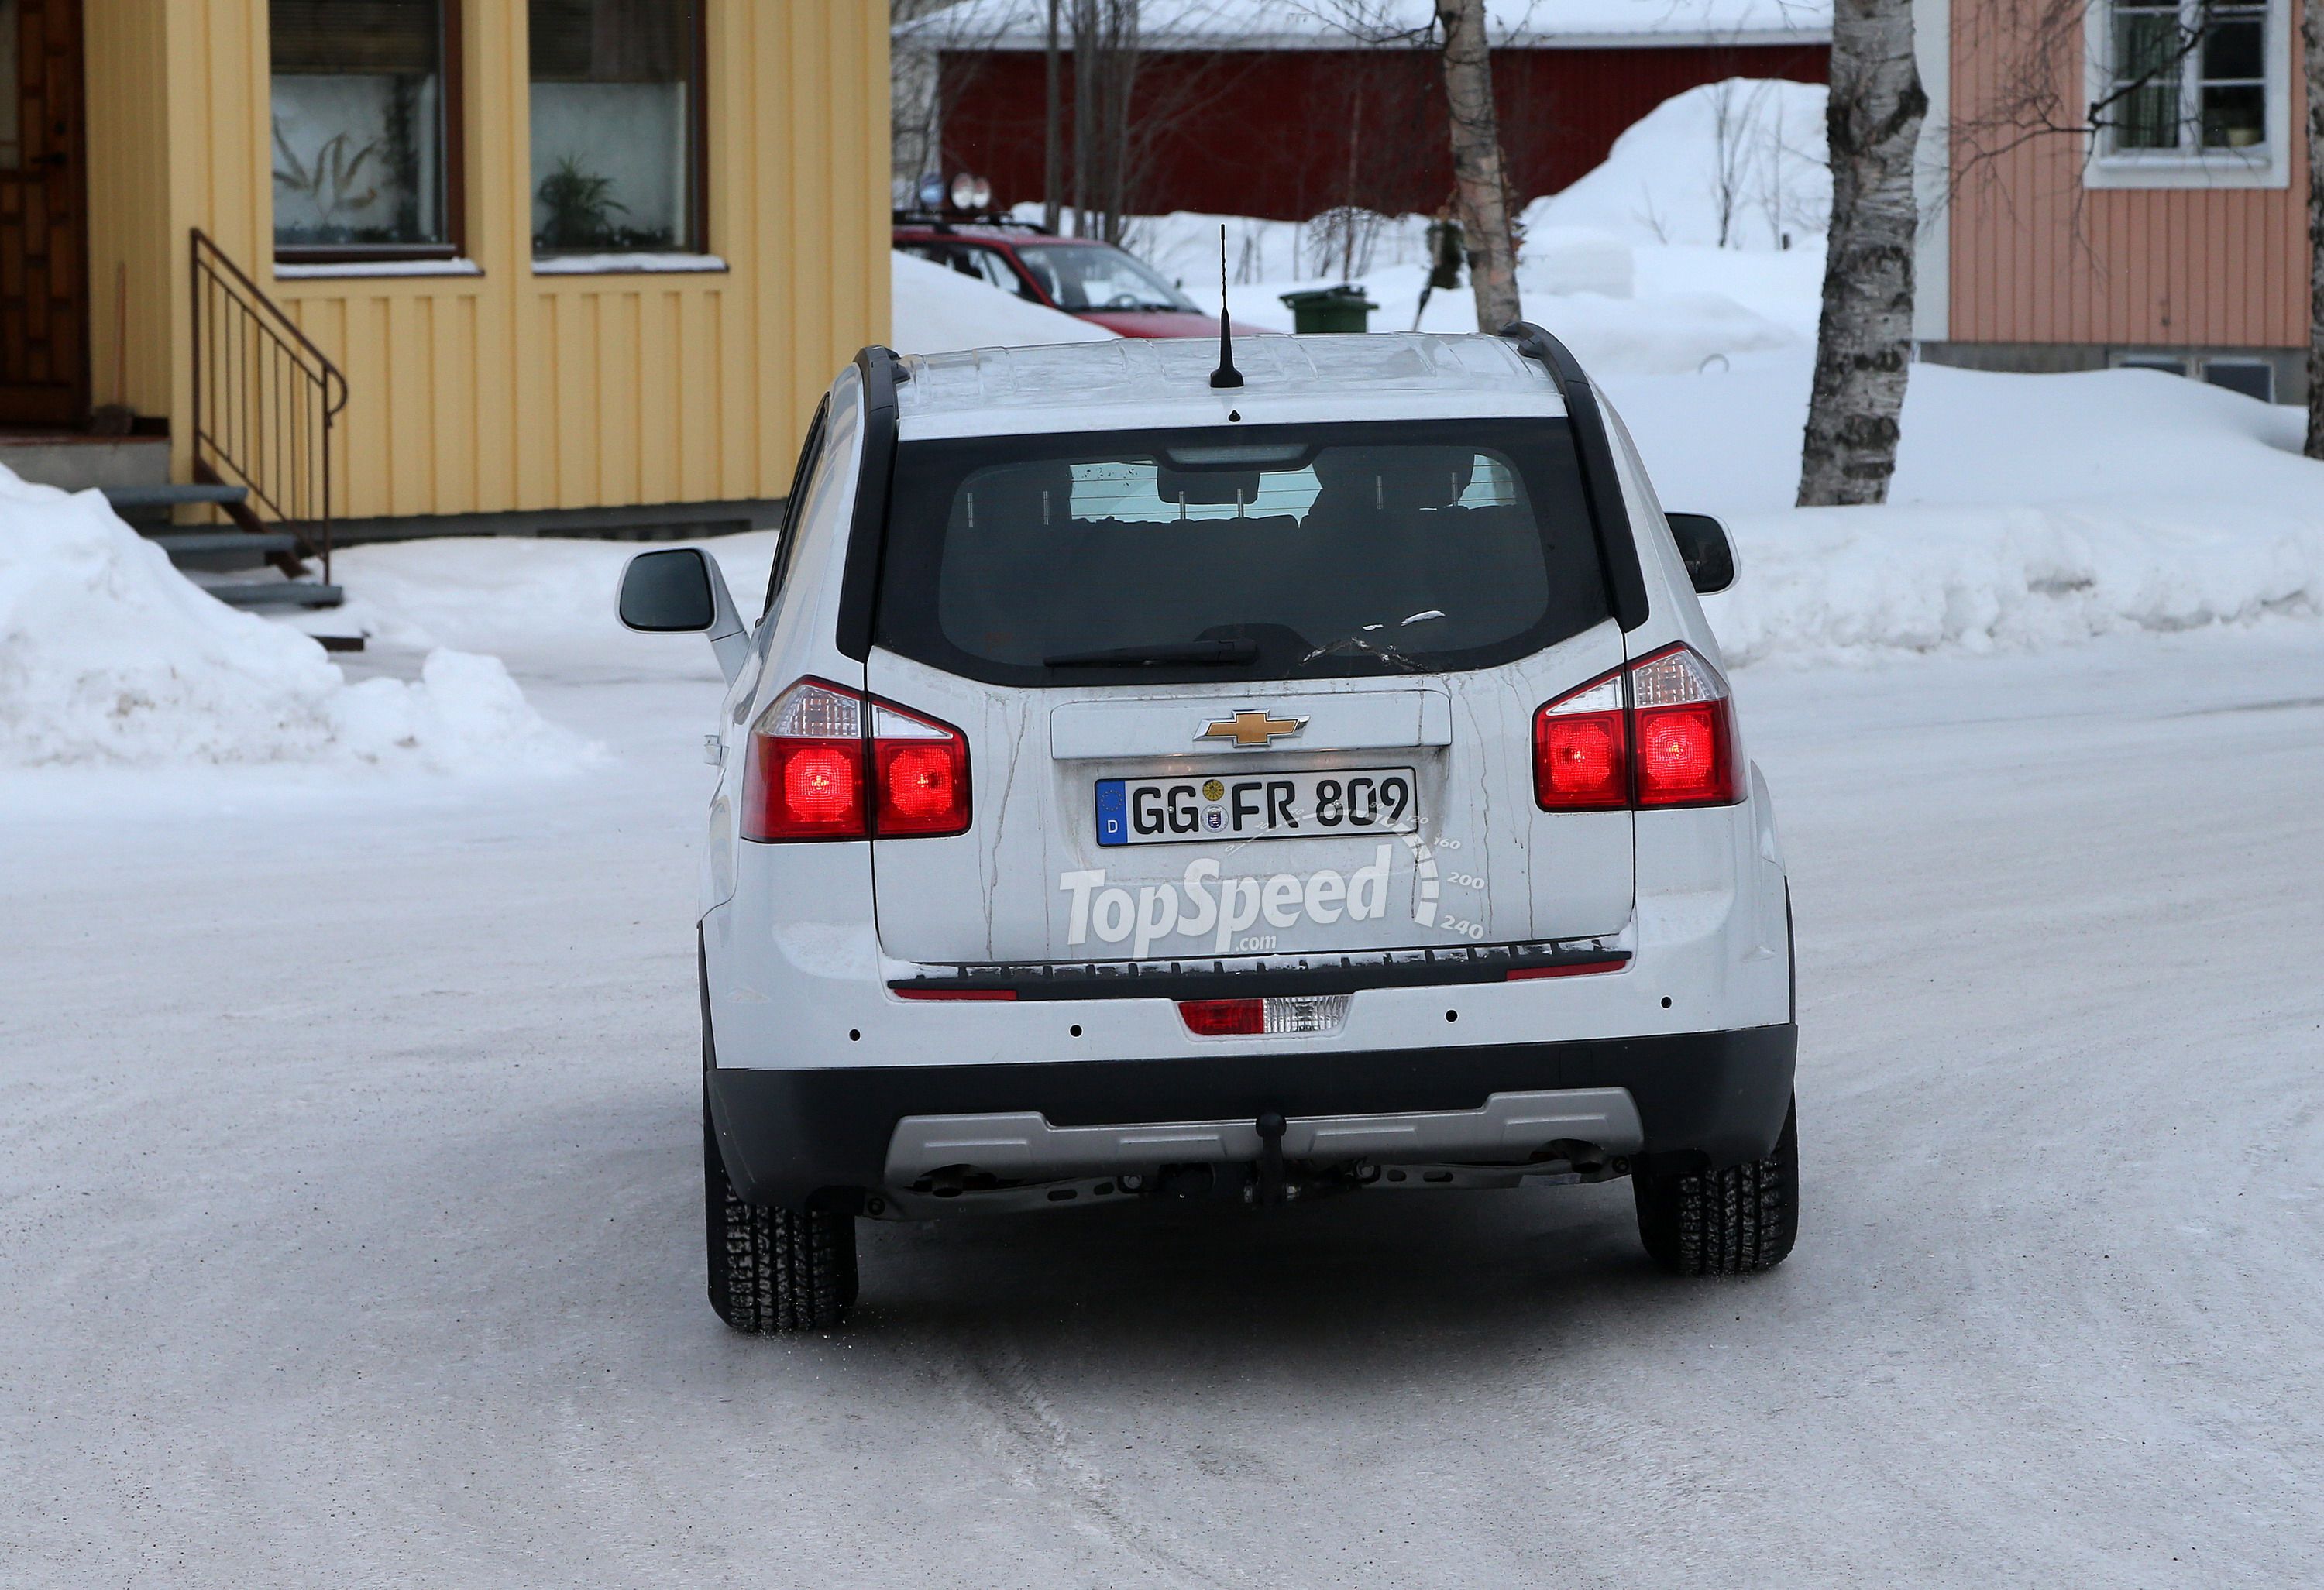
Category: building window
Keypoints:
(2189, 92)
(364, 128)
(617, 126)
(2254, 378)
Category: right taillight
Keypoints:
(1685, 731)
(813, 773)
(1659, 733)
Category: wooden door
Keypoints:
(43, 222)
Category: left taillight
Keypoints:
(815, 773)
(921, 769)
(1657, 733)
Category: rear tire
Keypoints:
(773, 1272)
(1738, 1221)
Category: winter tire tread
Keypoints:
(773, 1272)
(1737, 1221)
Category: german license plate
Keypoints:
(1240, 805)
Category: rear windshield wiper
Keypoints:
(1219, 654)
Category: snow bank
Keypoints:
(2026, 509)
(1576, 259)
(1820, 582)
(935, 310)
(1737, 164)
(110, 655)
(1626, 300)
(543, 604)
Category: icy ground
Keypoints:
(350, 1169)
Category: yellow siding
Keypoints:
(129, 190)
(512, 390)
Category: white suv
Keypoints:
(1142, 786)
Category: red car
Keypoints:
(1081, 276)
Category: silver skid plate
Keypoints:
(1025, 1148)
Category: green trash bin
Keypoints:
(1329, 309)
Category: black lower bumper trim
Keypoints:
(1144, 980)
(788, 1136)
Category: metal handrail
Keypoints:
(265, 401)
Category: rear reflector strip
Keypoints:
(1573, 970)
(1007, 994)
(1274, 1018)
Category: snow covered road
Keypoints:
(350, 1218)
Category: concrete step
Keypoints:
(76, 462)
(193, 543)
(277, 593)
(124, 498)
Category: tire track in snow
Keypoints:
(996, 1387)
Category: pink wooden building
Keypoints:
(2177, 238)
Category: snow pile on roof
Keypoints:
(110, 655)
(1736, 164)
(1295, 25)
(2026, 509)
(935, 310)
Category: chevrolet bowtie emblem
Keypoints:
(1249, 728)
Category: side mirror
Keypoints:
(668, 592)
(679, 591)
(1704, 549)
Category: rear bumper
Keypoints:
(788, 1136)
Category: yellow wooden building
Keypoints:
(577, 261)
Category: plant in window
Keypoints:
(581, 208)
(329, 183)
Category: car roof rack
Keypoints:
(995, 220)
(1617, 555)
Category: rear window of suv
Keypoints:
(1275, 553)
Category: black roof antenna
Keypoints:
(1226, 375)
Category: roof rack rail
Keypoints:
(1618, 553)
(947, 221)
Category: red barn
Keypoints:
(1289, 121)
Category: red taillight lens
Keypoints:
(1659, 733)
(1685, 731)
(1581, 751)
(813, 773)
(923, 767)
(1579, 762)
(1683, 757)
(1224, 1018)
(816, 785)
(821, 784)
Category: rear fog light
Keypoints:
(1272, 1017)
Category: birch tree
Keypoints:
(1863, 338)
(1480, 169)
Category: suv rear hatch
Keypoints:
(1245, 692)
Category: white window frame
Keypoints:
(2267, 166)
